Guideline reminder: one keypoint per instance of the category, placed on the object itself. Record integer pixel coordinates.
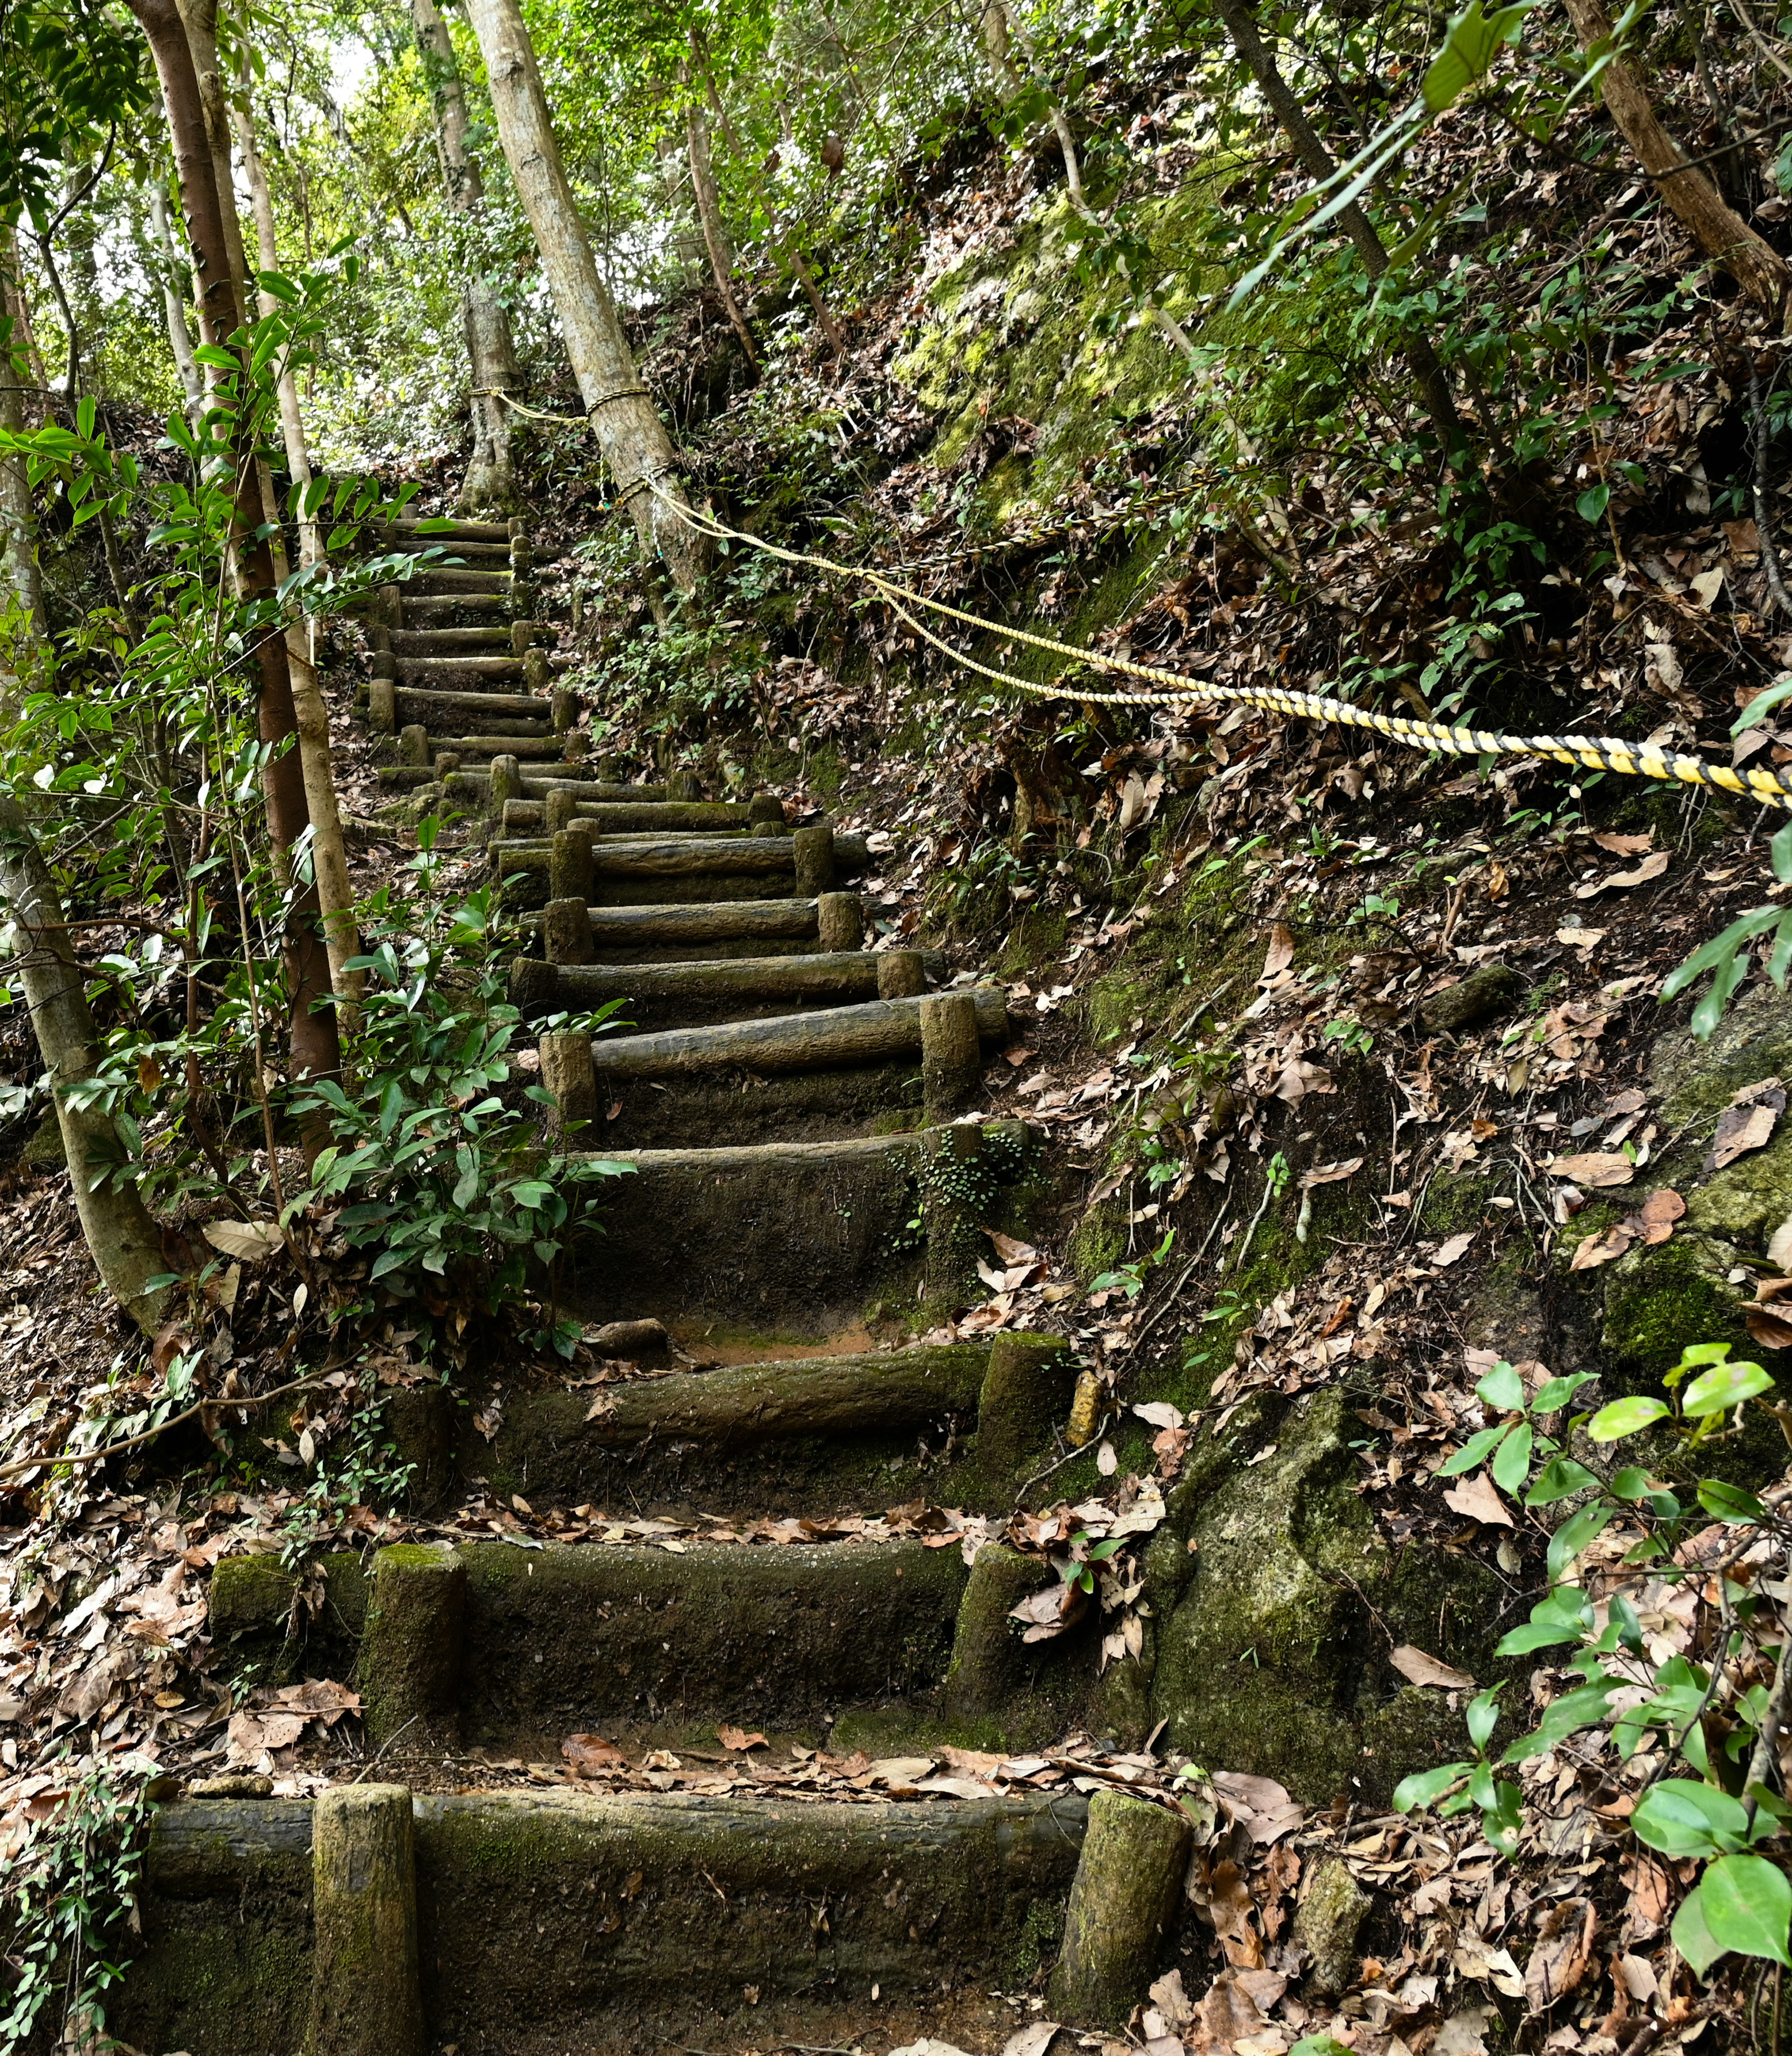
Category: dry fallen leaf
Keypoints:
(738, 1739)
(1745, 1127)
(1770, 1332)
(1453, 1251)
(1580, 938)
(1423, 1669)
(1596, 1167)
(1602, 1246)
(248, 1241)
(1625, 845)
(1621, 881)
(1564, 1950)
(587, 1753)
(1330, 1174)
(1477, 1497)
(1281, 952)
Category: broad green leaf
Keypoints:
(1483, 1716)
(1424, 1787)
(1554, 1394)
(1573, 1537)
(1692, 1935)
(1626, 1417)
(1746, 1905)
(1469, 1456)
(1591, 504)
(1581, 1708)
(1683, 1818)
(1559, 1479)
(1722, 1387)
(1759, 708)
(1512, 1463)
(1730, 1502)
(1502, 1387)
(1471, 45)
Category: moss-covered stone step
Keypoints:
(634, 870)
(448, 670)
(815, 1435)
(453, 609)
(684, 931)
(676, 995)
(798, 1238)
(565, 1915)
(586, 785)
(435, 705)
(405, 533)
(449, 641)
(431, 582)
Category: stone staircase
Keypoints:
(800, 1115)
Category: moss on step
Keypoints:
(1268, 1663)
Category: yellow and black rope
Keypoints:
(1772, 788)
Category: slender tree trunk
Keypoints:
(1719, 231)
(491, 480)
(23, 581)
(312, 1029)
(330, 860)
(126, 1244)
(789, 255)
(633, 440)
(996, 31)
(686, 237)
(174, 308)
(19, 307)
(199, 17)
(292, 422)
(1428, 373)
(709, 216)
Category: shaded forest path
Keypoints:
(811, 1186)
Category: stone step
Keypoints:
(796, 1239)
(798, 1436)
(567, 1919)
(435, 581)
(682, 932)
(630, 870)
(439, 642)
(609, 817)
(408, 530)
(423, 609)
(480, 750)
(586, 785)
(436, 674)
(875, 1031)
(417, 702)
(680, 995)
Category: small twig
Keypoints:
(21, 1465)
(385, 1748)
(1770, 557)
(1238, 1255)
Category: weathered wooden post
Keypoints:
(366, 1999)
(1127, 1879)
(951, 1054)
(840, 923)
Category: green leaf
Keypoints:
(1683, 1818)
(1555, 1393)
(1591, 504)
(1763, 704)
(1581, 1708)
(1483, 1716)
(1722, 1387)
(1502, 1387)
(1559, 1478)
(1626, 1417)
(1470, 46)
(1468, 1457)
(390, 1259)
(1729, 1502)
(1512, 1465)
(1746, 1905)
(1692, 1935)
(1424, 1787)
(1573, 1537)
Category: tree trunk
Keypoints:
(1428, 373)
(292, 422)
(687, 239)
(18, 520)
(24, 336)
(633, 440)
(491, 479)
(709, 216)
(329, 860)
(126, 1244)
(174, 308)
(1719, 231)
(199, 18)
(312, 1029)
(789, 255)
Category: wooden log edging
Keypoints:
(844, 975)
(876, 1031)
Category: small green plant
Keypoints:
(1349, 1033)
(426, 1167)
(1129, 1278)
(66, 1892)
(1727, 955)
(1719, 1717)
